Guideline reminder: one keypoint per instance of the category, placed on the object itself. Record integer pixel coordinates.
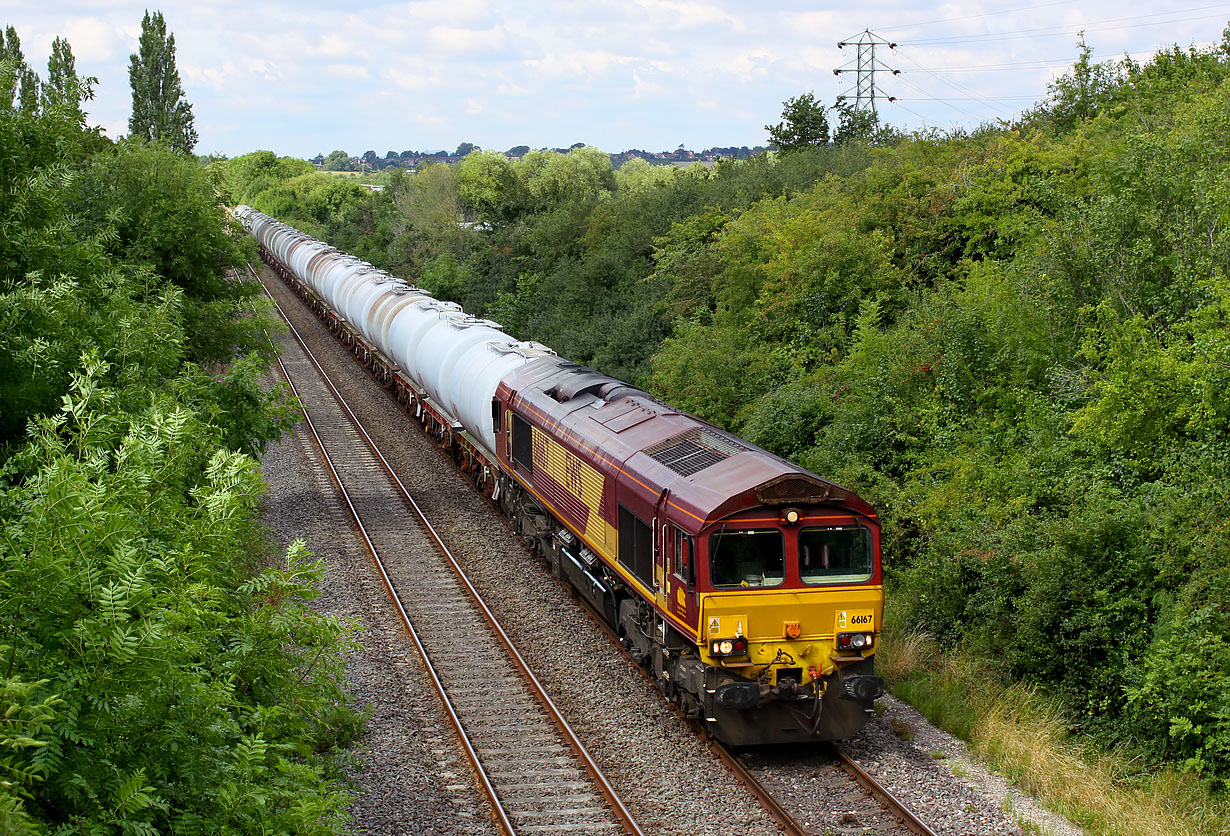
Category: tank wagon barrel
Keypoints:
(751, 588)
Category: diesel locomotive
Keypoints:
(751, 588)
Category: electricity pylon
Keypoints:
(865, 91)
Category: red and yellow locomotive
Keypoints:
(750, 587)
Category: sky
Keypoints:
(307, 77)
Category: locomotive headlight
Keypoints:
(791, 516)
(855, 641)
(728, 647)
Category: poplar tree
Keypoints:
(24, 82)
(159, 110)
(61, 86)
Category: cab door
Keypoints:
(680, 564)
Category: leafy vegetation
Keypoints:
(1014, 341)
(159, 672)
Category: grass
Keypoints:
(376, 177)
(1021, 733)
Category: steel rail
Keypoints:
(767, 800)
(882, 795)
(587, 761)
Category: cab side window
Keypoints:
(683, 564)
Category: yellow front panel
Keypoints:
(764, 617)
(816, 610)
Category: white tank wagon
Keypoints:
(446, 361)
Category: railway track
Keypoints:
(532, 786)
(535, 771)
(790, 821)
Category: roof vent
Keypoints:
(692, 451)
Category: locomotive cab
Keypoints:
(788, 611)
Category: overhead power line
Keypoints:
(992, 14)
(1131, 22)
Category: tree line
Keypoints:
(159, 110)
(1013, 340)
(161, 670)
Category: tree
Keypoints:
(465, 148)
(24, 82)
(338, 161)
(554, 178)
(64, 88)
(488, 185)
(159, 110)
(1081, 92)
(805, 124)
(856, 124)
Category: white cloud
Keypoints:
(408, 79)
(645, 89)
(750, 65)
(332, 46)
(219, 76)
(457, 11)
(95, 40)
(259, 66)
(465, 41)
(681, 14)
(348, 72)
(575, 65)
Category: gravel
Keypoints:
(934, 774)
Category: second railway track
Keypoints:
(535, 771)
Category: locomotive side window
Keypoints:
(636, 546)
(747, 558)
(685, 568)
(835, 555)
(522, 442)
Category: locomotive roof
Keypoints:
(710, 473)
